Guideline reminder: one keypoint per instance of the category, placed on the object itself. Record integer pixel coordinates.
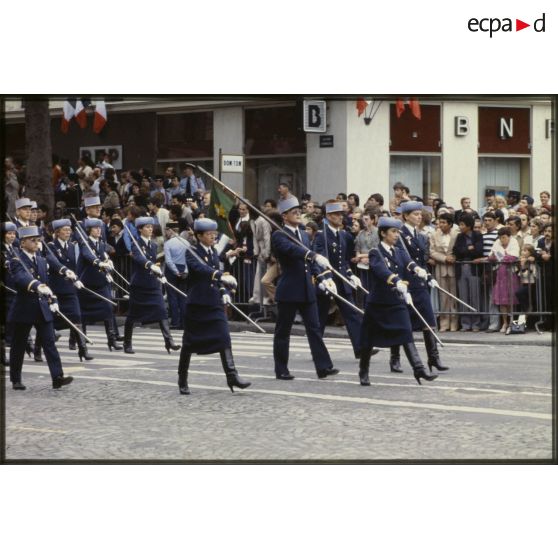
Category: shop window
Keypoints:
(421, 174)
(503, 174)
(263, 175)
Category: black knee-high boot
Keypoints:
(128, 331)
(394, 359)
(364, 366)
(418, 368)
(83, 353)
(111, 337)
(233, 379)
(183, 365)
(72, 341)
(169, 341)
(432, 351)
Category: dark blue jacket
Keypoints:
(297, 267)
(141, 264)
(67, 259)
(203, 279)
(28, 307)
(89, 271)
(339, 252)
(417, 249)
(385, 271)
(463, 254)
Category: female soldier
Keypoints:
(146, 297)
(94, 272)
(63, 251)
(386, 319)
(206, 329)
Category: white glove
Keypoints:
(355, 281)
(78, 284)
(44, 290)
(104, 265)
(328, 285)
(421, 273)
(109, 278)
(401, 287)
(163, 280)
(70, 275)
(110, 264)
(53, 308)
(408, 299)
(229, 281)
(433, 283)
(226, 299)
(322, 261)
(157, 270)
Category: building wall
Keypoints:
(541, 167)
(228, 135)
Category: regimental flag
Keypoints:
(68, 112)
(219, 208)
(361, 105)
(100, 117)
(80, 114)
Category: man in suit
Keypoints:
(34, 305)
(296, 291)
(337, 245)
(441, 251)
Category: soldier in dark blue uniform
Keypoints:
(8, 252)
(416, 246)
(34, 305)
(64, 282)
(386, 320)
(206, 329)
(337, 245)
(23, 212)
(94, 273)
(146, 296)
(296, 291)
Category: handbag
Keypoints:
(516, 327)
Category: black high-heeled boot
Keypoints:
(72, 340)
(128, 331)
(183, 365)
(418, 368)
(432, 351)
(169, 341)
(233, 379)
(394, 359)
(83, 353)
(111, 337)
(364, 366)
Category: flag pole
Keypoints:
(272, 223)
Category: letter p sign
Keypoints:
(314, 116)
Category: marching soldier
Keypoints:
(146, 297)
(94, 273)
(23, 212)
(206, 329)
(34, 305)
(337, 245)
(9, 232)
(386, 320)
(64, 282)
(416, 245)
(296, 291)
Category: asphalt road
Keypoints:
(494, 403)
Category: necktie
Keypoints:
(415, 233)
(34, 259)
(297, 232)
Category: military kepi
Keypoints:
(28, 232)
(335, 207)
(389, 222)
(408, 206)
(286, 205)
(94, 200)
(23, 202)
(59, 223)
(204, 225)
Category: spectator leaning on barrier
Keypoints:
(467, 248)
(514, 224)
(442, 242)
(262, 249)
(526, 293)
(544, 256)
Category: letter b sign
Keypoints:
(314, 119)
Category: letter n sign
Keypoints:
(314, 118)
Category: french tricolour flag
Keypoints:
(68, 111)
(100, 117)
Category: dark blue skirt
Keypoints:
(146, 305)
(206, 329)
(385, 326)
(421, 300)
(94, 309)
(69, 306)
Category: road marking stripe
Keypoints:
(31, 429)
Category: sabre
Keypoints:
(121, 277)
(273, 223)
(348, 303)
(166, 283)
(425, 322)
(9, 289)
(83, 286)
(76, 329)
(195, 255)
(458, 299)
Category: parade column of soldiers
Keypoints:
(70, 285)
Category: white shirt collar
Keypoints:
(29, 254)
(387, 247)
(146, 240)
(332, 229)
(410, 228)
(94, 240)
(293, 229)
